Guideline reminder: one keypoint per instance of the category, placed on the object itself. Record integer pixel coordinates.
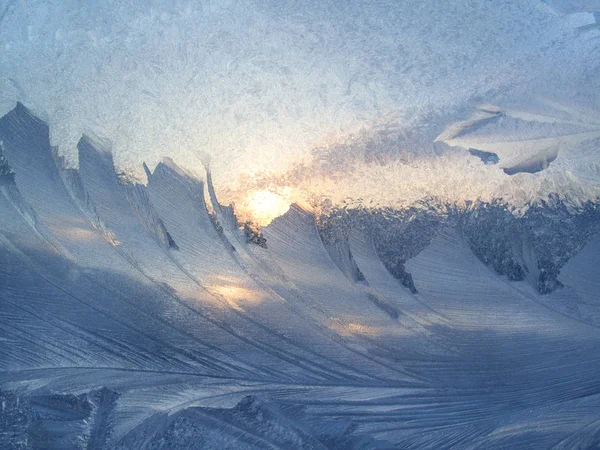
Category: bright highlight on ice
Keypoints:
(265, 205)
(318, 224)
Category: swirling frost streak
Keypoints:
(295, 245)
(42, 188)
(92, 295)
(221, 326)
(180, 201)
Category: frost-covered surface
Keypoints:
(57, 420)
(432, 280)
(532, 245)
(262, 87)
(140, 316)
(531, 139)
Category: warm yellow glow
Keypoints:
(265, 205)
(234, 291)
(355, 328)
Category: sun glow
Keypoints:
(265, 205)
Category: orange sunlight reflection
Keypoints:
(237, 296)
(265, 205)
(355, 328)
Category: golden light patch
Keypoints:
(355, 328)
(237, 296)
(265, 205)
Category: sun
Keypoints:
(265, 205)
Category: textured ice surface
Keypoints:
(434, 282)
(138, 316)
(265, 83)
